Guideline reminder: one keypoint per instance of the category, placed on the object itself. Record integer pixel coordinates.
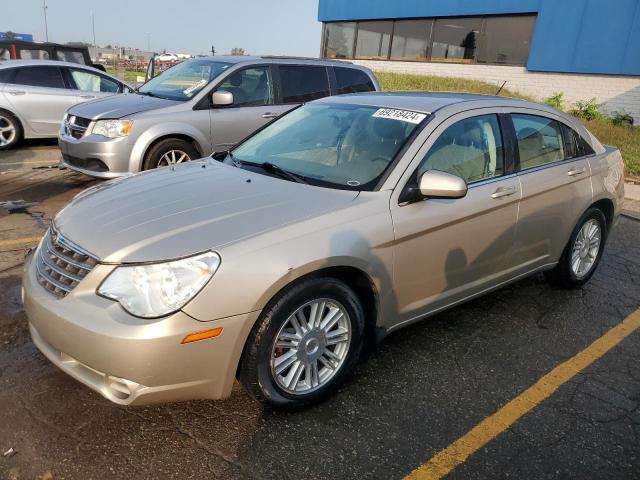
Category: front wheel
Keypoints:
(583, 252)
(304, 344)
(10, 130)
(168, 152)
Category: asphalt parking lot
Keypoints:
(423, 389)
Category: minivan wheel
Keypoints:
(304, 344)
(583, 252)
(10, 130)
(170, 151)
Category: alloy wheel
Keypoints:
(311, 346)
(173, 157)
(586, 248)
(7, 131)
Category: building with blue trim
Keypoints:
(534, 45)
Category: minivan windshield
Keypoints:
(333, 145)
(184, 80)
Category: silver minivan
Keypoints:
(197, 107)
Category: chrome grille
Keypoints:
(76, 127)
(61, 265)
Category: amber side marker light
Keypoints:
(203, 335)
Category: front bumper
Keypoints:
(95, 155)
(128, 360)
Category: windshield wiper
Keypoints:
(268, 167)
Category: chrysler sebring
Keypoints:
(340, 222)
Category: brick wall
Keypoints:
(617, 93)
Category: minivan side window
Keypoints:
(33, 54)
(350, 80)
(539, 140)
(73, 56)
(250, 87)
(303, 83)
(87, 81)
(471, 149)
(41, 76)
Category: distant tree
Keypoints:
(237, 51)
(9, 35)
(108, 46)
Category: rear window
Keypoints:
(44, 76)
(303, 83)
(350, 80)
(73, 56)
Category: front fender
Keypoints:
(150, 135)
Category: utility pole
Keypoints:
(93, 26)
(213, 50)
(46, 28)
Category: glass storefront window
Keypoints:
(410, 39)
(339, 37)
(374, 39)
(455, 39)
(506, 40)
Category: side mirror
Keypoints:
(221, 98)
(437, 184)
(151, 70)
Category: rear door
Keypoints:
(253, 106)
(40, 95)
(556, 187)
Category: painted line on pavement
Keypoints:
(488, 429)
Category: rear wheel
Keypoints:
(304, 344)
(10, 130)
(168, 152)
(583, 252)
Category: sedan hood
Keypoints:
(171, 213)
(118, 106)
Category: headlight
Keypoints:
(158, 289)
(112, 128)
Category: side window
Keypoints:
(6, 75)
(88, 81)
(33, 54)
(350, 80)
(250, 87)
(471, 149)
(539, 140)
(44, 76)
(303, 83)
(5, 54)
(570, 137)
(73, 56)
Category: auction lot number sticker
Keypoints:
(402, 115)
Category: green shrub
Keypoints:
(586, 110)
(621, 119)
(556, 101)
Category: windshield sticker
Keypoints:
(195, 86)
(402, 115)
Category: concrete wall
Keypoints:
(618, 93)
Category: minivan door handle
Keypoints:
(270, 115)
(576, 171)
(87, 97)
(503, 192)
(16, 92)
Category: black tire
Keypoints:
(255, 372)
(563, 275)
(155, 153)
(7, 119)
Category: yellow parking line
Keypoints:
(489, 428)
(19, 241)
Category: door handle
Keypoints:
(16, 92)
(576, 171)
(503, 192)
(270, 115)
(88, 97)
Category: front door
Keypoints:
(448, 250)
(253, 106)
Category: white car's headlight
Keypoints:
(158, 289)
(112, 128)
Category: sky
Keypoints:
(261, 27)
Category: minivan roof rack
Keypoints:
(290, 57)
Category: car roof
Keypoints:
(427, 102)
(30, 63)
(272, 59)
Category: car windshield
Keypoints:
(184, 80)
(338, 146)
